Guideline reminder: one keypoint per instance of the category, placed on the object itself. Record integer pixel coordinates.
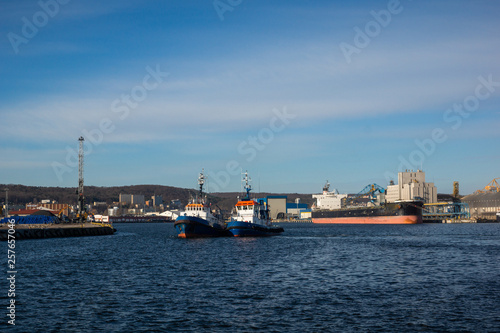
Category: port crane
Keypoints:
(492, 186)
(370, 190)
(82, 216)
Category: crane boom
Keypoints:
(370, 190)
(492, 186)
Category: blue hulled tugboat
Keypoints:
(252, 217)
(197, 220)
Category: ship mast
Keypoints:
(247, 186)
(326, 188)
(201, 181)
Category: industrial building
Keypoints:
(279, 208)
(54, 207)
(483, 205)
(412, 186)
(294, 209)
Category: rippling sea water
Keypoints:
(313, 278)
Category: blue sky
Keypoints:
(295, 92)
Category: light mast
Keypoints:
(81, 199)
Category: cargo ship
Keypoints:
(252, 217)
(197, 220)
(332, 207)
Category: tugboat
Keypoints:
(197, 220)
(252, 217)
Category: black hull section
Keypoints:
(195, 227)
(391, 209)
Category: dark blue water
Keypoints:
(313, 278)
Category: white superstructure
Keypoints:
(199, 206)
(328, 200)
(200, 210)
(249, 210)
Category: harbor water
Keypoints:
(312, 278)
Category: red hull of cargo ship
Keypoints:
(406, 219)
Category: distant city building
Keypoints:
(157, 200)
(125, 198)
(175, 204)
(412, 186)
(132, 199)
(138, 199)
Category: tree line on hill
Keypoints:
(21, 194)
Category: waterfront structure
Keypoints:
(171, 214)
(484, 205)
(412, 186)
(294, 209)
(305, 214)
(446, 211)
(55, 207)
(276, 205)
(279, 208)
(113, 211)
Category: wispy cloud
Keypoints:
(226, 78)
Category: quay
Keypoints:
(34, 231)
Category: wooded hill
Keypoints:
(21, 194)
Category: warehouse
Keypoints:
(277, 206)
(483, 205)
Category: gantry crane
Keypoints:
(370, 190)
(491, 187)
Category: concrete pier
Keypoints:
(28, 231)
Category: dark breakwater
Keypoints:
(54, 232)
